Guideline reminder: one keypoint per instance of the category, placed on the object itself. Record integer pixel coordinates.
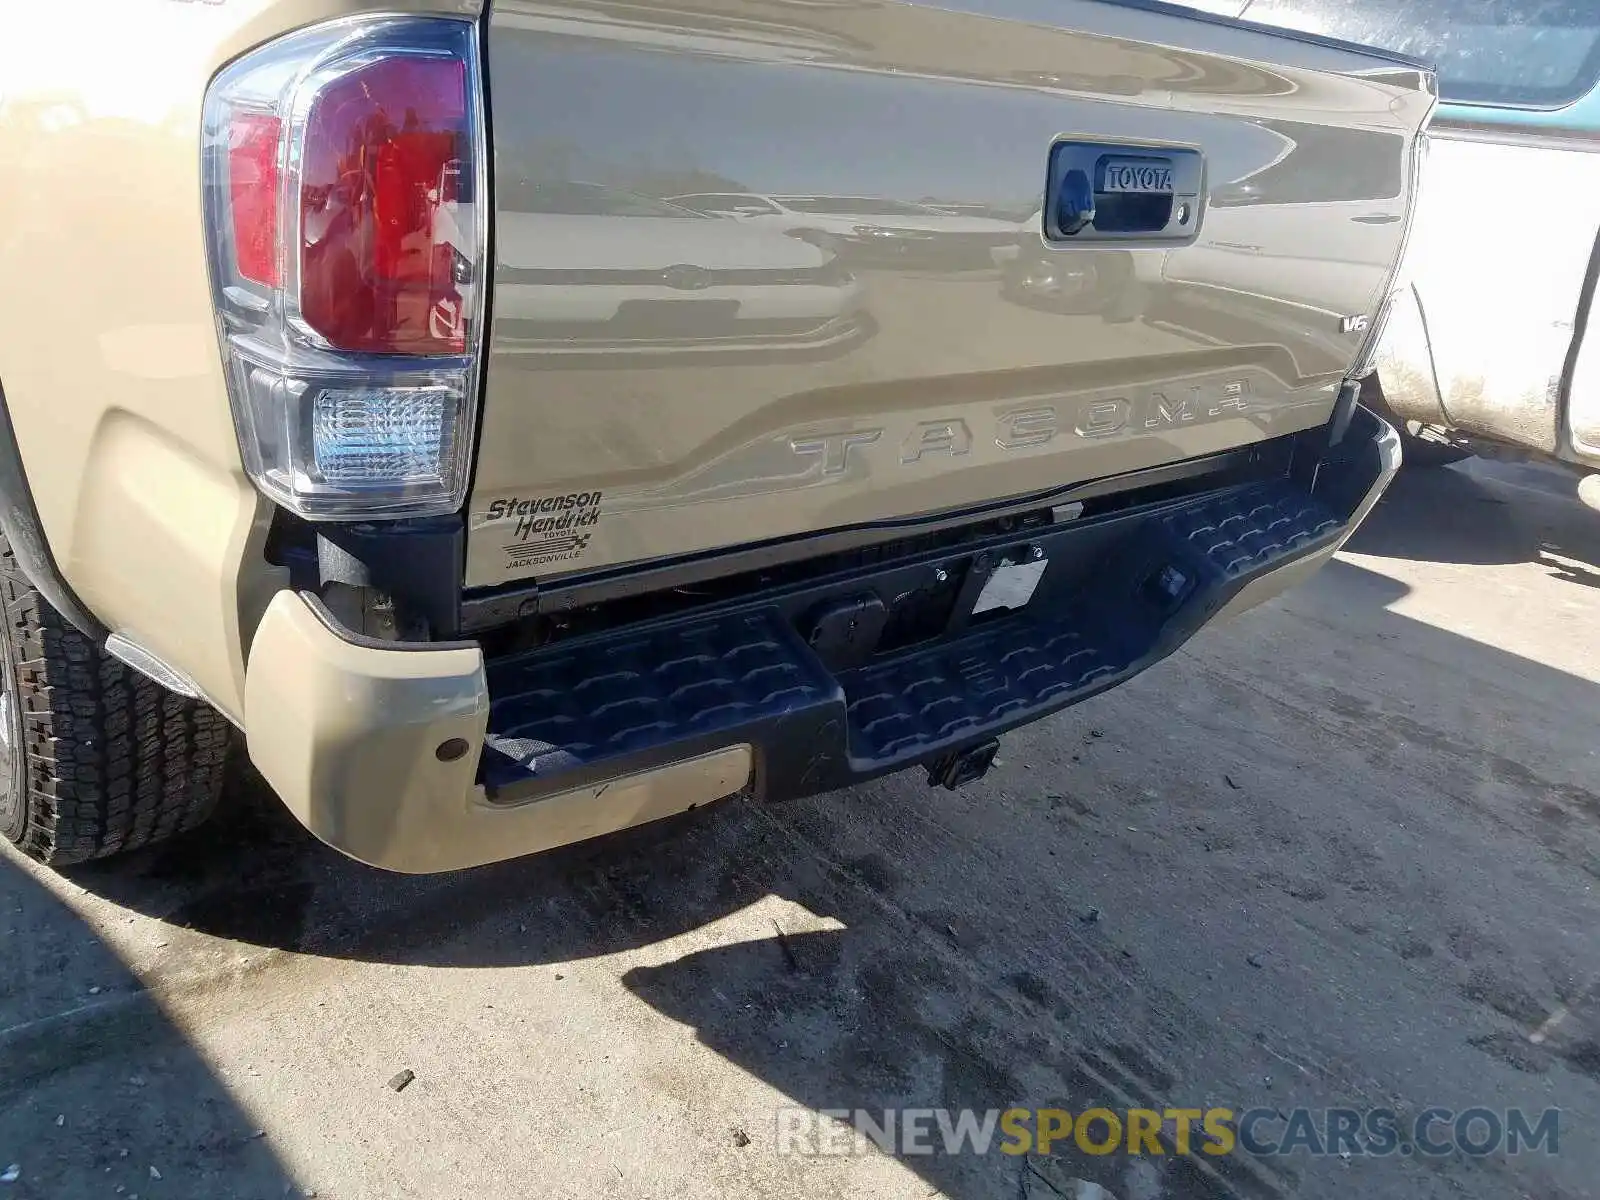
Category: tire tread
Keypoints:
(113, 761)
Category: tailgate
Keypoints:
(765, 268)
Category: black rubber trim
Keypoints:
(20, 521)
(419, 562)
(321, 612)
(490, 210)
(1433, 365)
(1569, 367)
(1344, 408)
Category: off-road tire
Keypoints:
(101, 759)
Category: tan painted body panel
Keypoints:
(663, 387)
(348, 735)
(109, 358)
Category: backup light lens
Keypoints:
(343, 169)
(365, 437)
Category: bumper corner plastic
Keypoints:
(375, 750)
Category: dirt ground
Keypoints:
(1341, 852)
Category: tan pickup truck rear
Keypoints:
(524, 420)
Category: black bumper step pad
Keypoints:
(916, 705)
(1119, 592)
(556, 711)
(1242, 531)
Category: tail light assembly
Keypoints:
(345, 198)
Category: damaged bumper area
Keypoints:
(433, 758)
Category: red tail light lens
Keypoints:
(384, 171)
(344, 167)
(253, 192)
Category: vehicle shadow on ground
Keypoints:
(100, 1092)
(847, 1022)
(256, 876)
(882, 1013)
(920, 999)
(1486, 512)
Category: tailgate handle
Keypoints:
(1109, 191)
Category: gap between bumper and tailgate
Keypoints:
(485, 608)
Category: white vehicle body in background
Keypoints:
(1488, 339)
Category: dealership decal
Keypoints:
(548, 528)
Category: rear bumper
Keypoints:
(433, 759)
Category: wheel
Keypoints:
(94, 757)
(1421, 445)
